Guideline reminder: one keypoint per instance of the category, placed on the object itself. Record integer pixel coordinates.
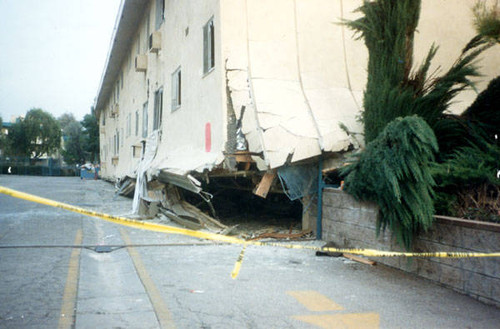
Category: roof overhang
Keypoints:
(127, 20)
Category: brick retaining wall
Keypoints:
(351, 224)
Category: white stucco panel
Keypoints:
(248, 121)
(254, 141)
(270, 20)
(277, 139)
(306, 148)
(281, 97)
(269, 120)
(274, 59)
(237, 79)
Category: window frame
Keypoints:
(129, 124)
(148, 30)
(145, 120)
(176, 89)
(159, 14)
(158, 109)
(136, 123)
(209, 46)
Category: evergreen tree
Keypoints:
(394, 171)
(394, 89)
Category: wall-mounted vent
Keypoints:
(155, 42)
(141, 63)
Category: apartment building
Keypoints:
(227, 86)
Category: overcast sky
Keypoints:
(52, 54)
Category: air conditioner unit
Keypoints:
(141, 63)
(155, 42)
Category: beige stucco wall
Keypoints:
(288, 68)
(183, 130)
(183, 140)
(449, 24)
(132, 96)
(296, 70)
(300, 73)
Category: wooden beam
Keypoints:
(243, 158)
(265, 184)
(359, 259)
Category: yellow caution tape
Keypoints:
(224, 238)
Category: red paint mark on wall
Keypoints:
(208, 137)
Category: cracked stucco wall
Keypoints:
(287, 62)
(300, 73)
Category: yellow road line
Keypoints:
(224, 238)
(314, 301)
(342, 321)
(160, 307)
(237, 265)
(67, 317)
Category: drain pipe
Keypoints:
(321, 184)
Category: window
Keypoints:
(158, 114)
(121, 141)
(148, 24)
(117, 93)
(129, 124)
(116, 143)
(136, 122)
(103, 118)
(208, 46)
(148, 32)
(145, 120)
(121, 80)
(138, 46)
(176, 89)
(160, 9)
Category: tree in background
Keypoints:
(73, 138)
(91, 133)
(42, 133)
(65, 119)
(16, 143)
(81, 139)
(2, 137)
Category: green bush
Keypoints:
(394, 171)
(467, 183)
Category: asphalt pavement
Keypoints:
(60, 269)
